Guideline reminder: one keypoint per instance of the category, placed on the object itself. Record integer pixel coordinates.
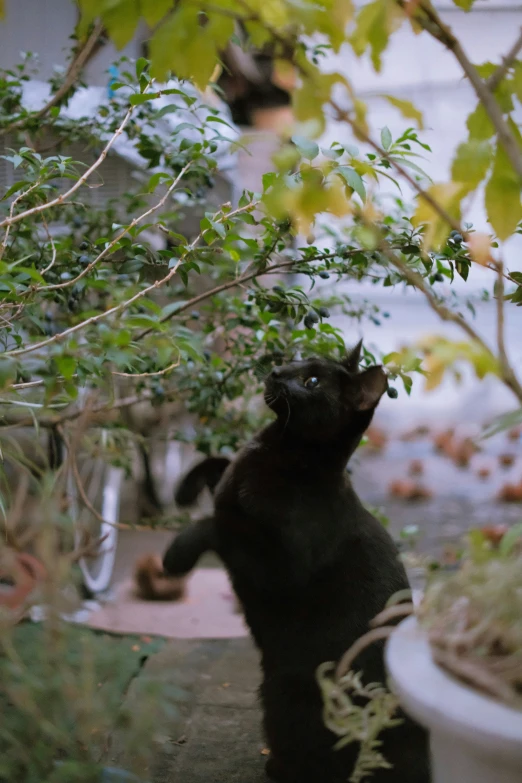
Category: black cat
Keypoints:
(310, 565)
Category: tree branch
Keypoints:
(12, 219)
(415, 279)
(494, 80)
(434, 25)
(73, 72)
(124, 305)
(116, 239)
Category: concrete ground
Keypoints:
(213, 735)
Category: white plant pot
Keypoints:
(473, 738)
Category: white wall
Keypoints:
(44, 27)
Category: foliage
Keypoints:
(90, 298)
(358, 713)
(473, 617)
(63, 689)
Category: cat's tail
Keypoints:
(205, 474)
(154, 584)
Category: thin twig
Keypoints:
(73, 72)
(149, 374)
(53, 246)
(392, 613)
(71, 456)
(344, 116)
(375, 635)
(433, 24)
(11, 214)
(494, 80)
(416, 280)
(124, 305)
(59, 200)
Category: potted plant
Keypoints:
(455, 666)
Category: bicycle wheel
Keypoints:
(102, 485)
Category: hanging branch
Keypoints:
(73, 73)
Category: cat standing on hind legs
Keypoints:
(309, 564)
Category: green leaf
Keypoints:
(14, 188)
(386, 138)
(154, 10)
(142, 97)
(308, 149)
(502, 423)
(374, 24)
(464, 4)
(510, 539)
(182, 45)
(479, 125)
(66, 366)
(141, 64)
(471, 162)
(409, 164)
(503, 205)
(7, 371)
(121, 18)
(353, 180)
(406, 108)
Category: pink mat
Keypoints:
(208, 611)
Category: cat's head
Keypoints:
(321, 398)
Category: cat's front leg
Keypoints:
(188, 546)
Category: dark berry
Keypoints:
(457, 238)
(323, 312)
(84, 245)
(438, 277)
(324, 275)
(84, 260)
(392, 392)
(194, 315)
(310, 320)
(385, 315)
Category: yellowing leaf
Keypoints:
(435, 370)
(2, 9)
(274, 13)
(153, 11)
(121, 19)
(479, 245)
(503, 205)
(479, 124)
(308, 100)
(471, 162)
(407, 109)
(186, 47)
(375, 23)
(448, 195)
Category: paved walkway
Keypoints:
(214, 734)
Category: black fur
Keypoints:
(310, 565)
(206, 474)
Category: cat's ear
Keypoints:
(372, 385)
(352, 359)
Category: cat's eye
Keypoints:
(312, 382)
